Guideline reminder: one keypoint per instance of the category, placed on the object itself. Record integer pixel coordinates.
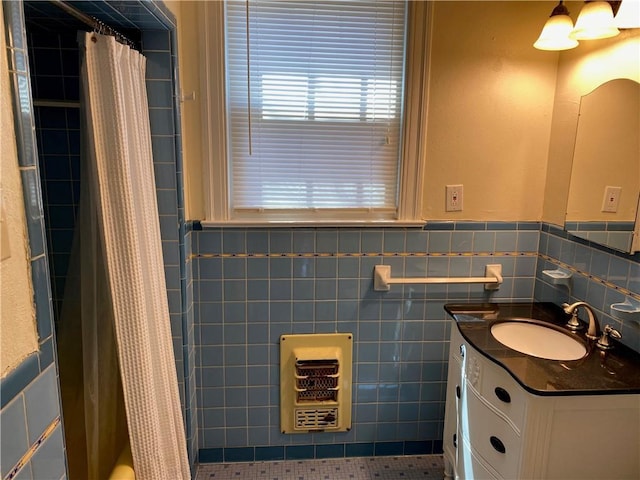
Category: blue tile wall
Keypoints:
(600, 277)
(54, 72)
(252, 285)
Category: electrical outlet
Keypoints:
(611, 199)
(453, 198)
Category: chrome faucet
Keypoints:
(592, 331)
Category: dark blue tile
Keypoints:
(440, 226)
(359, 449)
(163, 147)
(158, 65)
(210, 455)
(18, 61)
(42, 293)
(528, 225)
(18, 379)
(239, 454)
(299, 452)
(593, 226)
(269, 453)
(46, 357)
(54, 142)
(501, 226)
(156, 40)
(572, 226)
(160, 93)
(70, 63)
(418, 447)
(471, 226)
(73, 118)
(437, 447)
(16, 33)
(72, 89)
(61, 216)
(47, 61)
(162, 121)
(620, 226)
(49, 88)
(388, 448)
(335, 450)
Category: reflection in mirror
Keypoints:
(605, 177)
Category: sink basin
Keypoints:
(538, 340)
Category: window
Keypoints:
(313, 111)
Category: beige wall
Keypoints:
(490, 104)
(580, 71)
(491, 109)
(17, 314)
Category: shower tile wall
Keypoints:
(253, 285)
(30, 426)
(54, 66)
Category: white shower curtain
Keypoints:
(121, 181)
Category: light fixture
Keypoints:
(594, 22)
(555, 33)
(628, 15)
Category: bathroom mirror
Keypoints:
(604, 190)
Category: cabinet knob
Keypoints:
(455, 440)
(458, 391)
(502, 394)
(462, 350)
(497, 444)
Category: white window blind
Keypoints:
(314, 102)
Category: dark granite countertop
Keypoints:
(615, 371)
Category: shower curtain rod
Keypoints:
(94, 23)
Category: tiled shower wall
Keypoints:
(251, 286)
(54, 68)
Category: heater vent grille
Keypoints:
(316, 418)
(317, 380)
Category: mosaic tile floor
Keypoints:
(430, 467)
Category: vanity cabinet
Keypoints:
(496, 429)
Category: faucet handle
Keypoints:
(573, 323)
(604, 342)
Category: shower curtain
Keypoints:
(120, 247)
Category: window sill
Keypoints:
(313, 224)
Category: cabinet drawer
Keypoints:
(502, 391)
(470, 467)
(491, 436)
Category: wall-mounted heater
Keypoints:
(315, 382)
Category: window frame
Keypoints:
(216, 178)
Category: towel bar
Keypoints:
(382, 280)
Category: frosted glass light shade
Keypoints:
(628, 15)
(595, 21)
(555, 34)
